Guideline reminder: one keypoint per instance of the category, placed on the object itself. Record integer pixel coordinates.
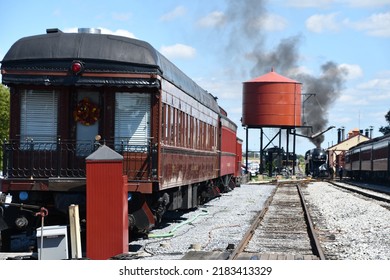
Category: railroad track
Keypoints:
(282, 230)
(370, 193)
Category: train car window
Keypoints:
(168, 124)
(183, 128)
(196, 134)
(171, 126)
(201, 135)
(164, 122)
(174, 135)
(212, 137)
(208, 136)
(204, 133)
(132, 120)
(178, 130)
(38, 122)
(189, 131)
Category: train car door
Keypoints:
(87, 126)
(132, 132)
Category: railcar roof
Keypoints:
(385, 137)
(105, 47)
(82, 46)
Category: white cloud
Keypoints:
(344, 120)
(367, 101)
(376, 25)
(379, 96)
(71, 30)
(268, 22)
(224, 89)
(309, 3)
(321, 23)
(299, 70)
(372, 94)
(273, 22)
(214, 19)
(329, 3)
(354, 71)
(366, 3)
(179, 11)
(376, 85)
(119, 32)
(178, 51)
(352, 100)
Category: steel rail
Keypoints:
(250, 232)
(311, 231)
(317, 250)
(362, 192)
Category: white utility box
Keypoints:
(52, 243)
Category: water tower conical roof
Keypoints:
(272, 77)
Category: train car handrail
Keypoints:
(66, 158)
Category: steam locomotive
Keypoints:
(71, 92)
(316, 163)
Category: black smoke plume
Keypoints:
(325, 89)
(244, 18)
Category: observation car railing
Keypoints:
(66, 158)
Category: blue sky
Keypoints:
(217, 42)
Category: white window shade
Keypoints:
(38, 116)
(132, 118)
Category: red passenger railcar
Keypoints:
(369, 161)
(239, 165)
(71, 92)
(228, 145)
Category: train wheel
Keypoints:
(161, 207)
(209, 192)
(141, 217)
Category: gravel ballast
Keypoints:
(360, 227)
(351, 227)
(212, 227)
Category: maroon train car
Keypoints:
(369, 161)
(228, 146)
(71, 92)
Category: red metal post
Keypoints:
(107, 209)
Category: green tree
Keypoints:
(386, 129)
(4, 118)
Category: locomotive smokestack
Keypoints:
(338, 135)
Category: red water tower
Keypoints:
(271, 100)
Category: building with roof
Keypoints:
(336, 153)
